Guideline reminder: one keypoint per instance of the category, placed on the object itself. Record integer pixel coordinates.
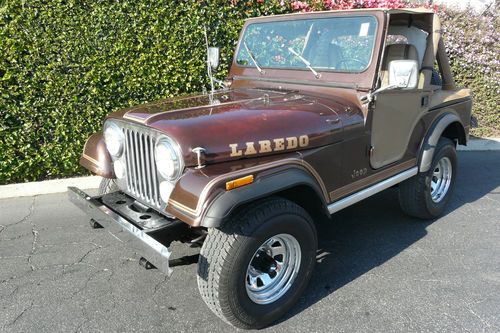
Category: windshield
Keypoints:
(343, 44)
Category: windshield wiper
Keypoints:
(307, 63)
(261, 71)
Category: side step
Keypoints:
(368, 192)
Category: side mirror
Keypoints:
(403, 74)
(213, 57)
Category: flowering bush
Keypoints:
(353, 4)
(473, 44)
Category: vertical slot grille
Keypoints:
(141, 168)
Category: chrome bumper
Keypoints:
(139, 239)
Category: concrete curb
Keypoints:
(47, 186)
(481, 145)
(60, 185)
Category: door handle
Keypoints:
(425, 101)
(333, 120)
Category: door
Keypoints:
(395, 115)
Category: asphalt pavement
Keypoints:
(378, 270)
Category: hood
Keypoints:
(243, 123)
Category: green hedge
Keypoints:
(65, 64)
(473, 44)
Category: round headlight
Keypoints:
(114, 139)
(168, 159)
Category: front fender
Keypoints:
(200, 197)
(224, 204)
(95, 157)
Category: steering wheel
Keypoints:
(342, 62)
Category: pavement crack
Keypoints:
(34, 232)
(33, 247)
(14, 291)
(23, 219)
(27, 216)
(8, 279)
(14, 257)
(158, 285)
(85, 285)
(485, 322)
(98, 247)
(69, 244)
(83, 322)
(20, 314)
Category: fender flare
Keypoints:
(225, 203)
(95, 157)
(432, 137)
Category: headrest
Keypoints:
(399, 52)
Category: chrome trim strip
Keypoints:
(87, 157)
(367, 192)
(155, 182)
(155, 252)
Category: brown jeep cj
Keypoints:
(319, 111)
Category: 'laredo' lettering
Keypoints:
(268, 146)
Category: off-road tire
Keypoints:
(107, 185)
(415, 193)
(227, 251)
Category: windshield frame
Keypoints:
(290, 17)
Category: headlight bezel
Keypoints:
(165, 142)
(112, 131)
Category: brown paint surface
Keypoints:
(95, 157)
(246, 122)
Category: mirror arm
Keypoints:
(368, 98)
(220, 83)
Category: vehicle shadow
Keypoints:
(375, 230)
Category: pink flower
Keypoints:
(300, 5)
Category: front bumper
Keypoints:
(151, 243)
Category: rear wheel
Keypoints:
(254, 268)
(426, 195)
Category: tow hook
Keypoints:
(146, 264)
(94, 225)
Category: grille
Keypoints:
(142, 181)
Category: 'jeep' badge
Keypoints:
(268, 146)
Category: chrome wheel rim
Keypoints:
(441, 179)
(273, 269)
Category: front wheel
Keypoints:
(426, 195)
(254, 268)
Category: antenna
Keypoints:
(209, 67)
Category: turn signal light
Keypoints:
(239, 182)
